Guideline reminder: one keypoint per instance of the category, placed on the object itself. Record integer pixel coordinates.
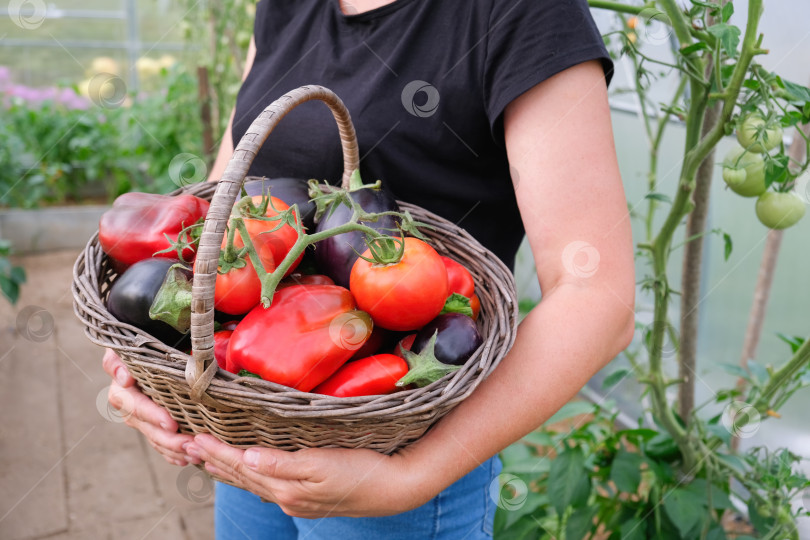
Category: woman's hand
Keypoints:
(145, 415)
(319, 482)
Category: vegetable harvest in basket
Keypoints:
(378, 311)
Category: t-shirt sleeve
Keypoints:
(531, 40)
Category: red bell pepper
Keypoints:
(221, 341)
(137, 226)
(370, 376)
(302, 338)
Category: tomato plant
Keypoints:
(744, 172)
(756, 135)
(779, 210)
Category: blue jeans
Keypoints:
(463, 511)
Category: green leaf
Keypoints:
(625, 471)
(638, 434)
(539, 438)
(658, 197)
(752, 84)
(568, 481)
(516, 453)
(797, 91)
(759, 372)
(632, 529)
(736, 370)
(727, 12)
(795, 342)
(727, 35)
(614, 378)
(580, 522)
(727, 246)
(571, 409)
(694, 47)
(10, 289)
(717, 533)
(526, 528)
(684, 509)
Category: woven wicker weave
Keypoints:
(245, 411)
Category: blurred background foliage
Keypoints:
(139, 91)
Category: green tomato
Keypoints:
(752, 182)
(779, 210)
(755, 136)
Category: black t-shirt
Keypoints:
(426, 83)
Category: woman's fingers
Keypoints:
(116, 369)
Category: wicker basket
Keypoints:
(244, 411)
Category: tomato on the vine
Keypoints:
(744, 172)
(755, 135)
(237, 290)
(272, 242)
(779, 210)
(402, 295)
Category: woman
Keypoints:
(450, 99)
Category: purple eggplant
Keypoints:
(290, 190)
(441, 347)
(132, 295)
(335, 256)
(457, 338)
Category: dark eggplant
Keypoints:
(132, 294)
(440, 347)
(290, 190)
(335, 256)
(457, 339)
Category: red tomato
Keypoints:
(475, 305)
(221, 340)
(459, 279)
(273, 246)
(404, 295)
(368, 376)
(405, 343)
(237, 290)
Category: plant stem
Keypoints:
(697, 148)
(784, 375)
(619, 7)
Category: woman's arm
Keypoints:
(560, 141)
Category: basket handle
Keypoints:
(201, 367)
